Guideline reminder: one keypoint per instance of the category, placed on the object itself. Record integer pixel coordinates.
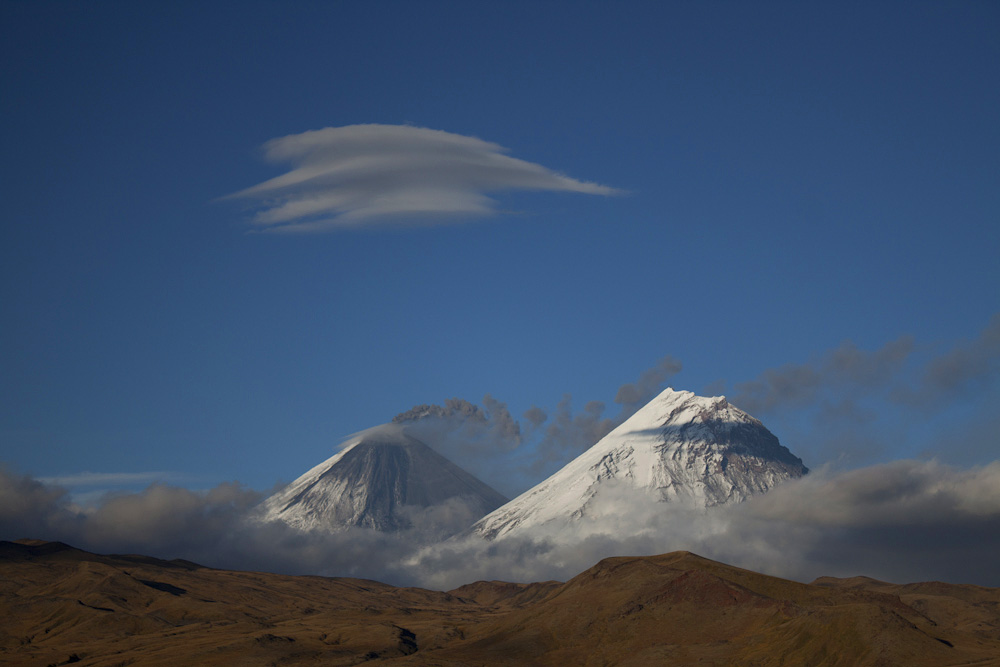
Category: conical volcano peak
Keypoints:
(375, 480)
(680, 448)
(676, 407)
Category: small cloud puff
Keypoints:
(362, 174)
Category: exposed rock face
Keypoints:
(679, 448)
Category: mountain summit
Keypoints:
(678, 448)
(376, 480)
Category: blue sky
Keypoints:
(795, 178)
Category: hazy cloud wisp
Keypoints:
(799, 385)
(478, 439)
(108, 479)
(362, 174)
(896, 371)
(964, 368)
(850, 406)
(634, 395)
(512, 456)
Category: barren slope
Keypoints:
(59, 603)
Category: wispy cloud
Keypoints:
(846, 367)
(966, 367)
(895, 372)
(512, 455)
(852, 406)
(109, 479)
(634, 395)
(362, 174)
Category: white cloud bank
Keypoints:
(901, 521)
(363, 174)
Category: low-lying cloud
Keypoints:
(363, 174)
(901, 521)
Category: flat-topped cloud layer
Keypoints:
(364, 174)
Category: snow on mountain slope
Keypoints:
(374, 481)
(679, 448)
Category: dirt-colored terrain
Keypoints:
(60, 605)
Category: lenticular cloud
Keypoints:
(361, 174)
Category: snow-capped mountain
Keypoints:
(377, 480)
(679, 448)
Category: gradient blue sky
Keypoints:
(798, 175)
